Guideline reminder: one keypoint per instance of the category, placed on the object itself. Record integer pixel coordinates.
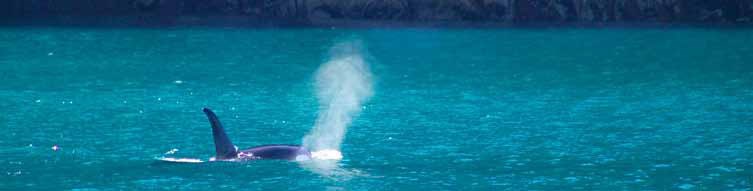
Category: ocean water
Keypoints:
(450, 109)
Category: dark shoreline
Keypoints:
(245, 22)
(379, 13)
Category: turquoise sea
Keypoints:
(451, 109)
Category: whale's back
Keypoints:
(285, 152)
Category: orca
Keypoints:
(227, 151)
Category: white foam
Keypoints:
(183, 160)
(171, 151)
(327, 155)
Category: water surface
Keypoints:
(452, 109)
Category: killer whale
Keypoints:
(227, 151)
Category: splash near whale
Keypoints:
(343, 84)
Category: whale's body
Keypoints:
(227, 151)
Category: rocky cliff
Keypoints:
(313, 11)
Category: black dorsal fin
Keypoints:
(222, 144)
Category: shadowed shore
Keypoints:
(375, 13)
